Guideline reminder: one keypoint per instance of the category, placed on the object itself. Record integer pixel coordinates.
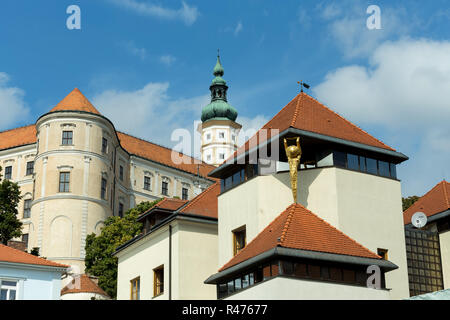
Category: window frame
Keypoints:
(135, 295)
(30, 168)
(8, 289)
(104, 145)
(103, 188)
(184, 193)
(238, 232)
(121, 171)
(120, 210)
(164, 188)
(147, 186)
(27, 209)
(66, 139)
(64, 183)
(158, 285)
(8, 173)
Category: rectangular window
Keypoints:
(362, 164)
(103, 191)
(25, 239)
(121, 210)
(184, 193)
(26, 208)
(158, 281)
(67, 138)
(121, 173)
(8, 172)
(340, 159)
(352, 162)
(239, 240)
(165, 188)
(135, 288)
(64, 181)
(104, 145)
(221, 135)
(30, 167)
(383, 253)
(393, 170)
(8, 290)
(221, 156)
(372, 166)
(147, 182)
(383, 168)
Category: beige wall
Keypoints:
(351, 201)
(281, 288)
(189, 267)
(444, 239)
(215, 144)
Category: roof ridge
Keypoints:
(333, 227)
(349, 122)
(25, 126)
(287, 223)
(444, 184)
(278, 113)
(37, 257)
(415, 204)
(198, 197)
(297, 111)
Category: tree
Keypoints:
(10, 225)
(99, 259)
(409, 201)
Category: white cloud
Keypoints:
(250, 126)
(238, 28)
(131, 48)
(405, 91)
(150, 112)
(12, 105)
(186, 13)
(167, 59)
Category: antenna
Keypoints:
(303, 85)
(419, 220)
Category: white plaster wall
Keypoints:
(83, 296)
(281, 288)
(444, 239)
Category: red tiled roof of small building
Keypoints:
(205, 204)
(170, 204)
(434, 201)
(8, 254)
(299, 228)
(86, 285)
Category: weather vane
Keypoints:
(302, 84)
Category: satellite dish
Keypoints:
(419, 220)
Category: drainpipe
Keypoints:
(170, 262)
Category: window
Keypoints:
(184, 193)
(208, 157)
(30, 167)
(26, 208)
(8, 172)
(352, 162)
(222, 156)
(239, 240)
(147, 182)
(208, 136)
(8, 290)
(103, 191)
(158, 281)
(121, 173)
(67, 138)
(104, 145)
(371, 166)
(393, 170)
(135, 289)
(165, 188)
(64, 181)
(221, 135)
(383, 253)
(383, 168)
(362, 164)
(120, 209)
(340, 159)
(25, 239)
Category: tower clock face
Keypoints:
(419, 219)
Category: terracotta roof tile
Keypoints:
(169, 204)
(306, 113)
(205, 204)
(8, 254)
(86, 285)
(434, 201)
(299, 228)
(18, 137)
(75, 101)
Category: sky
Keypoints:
(147, 66)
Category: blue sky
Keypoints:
(147, 66)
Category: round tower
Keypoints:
(219, 129)
(75, 178)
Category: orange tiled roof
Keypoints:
(299, 228)
(205, 204)
(434, 201)
(85, 285)
(169, 204)
(162, 155)
(75, 101)
(18, 137)
(306, 113)
(8, 254)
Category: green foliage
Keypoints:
(408, 202)
(35, 251)
(99, 259)
(10, 225)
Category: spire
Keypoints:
(75, 101)
(218, 69)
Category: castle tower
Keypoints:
(75, 180)
(219, 131)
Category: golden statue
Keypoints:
(293, 153)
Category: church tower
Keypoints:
(219, 129)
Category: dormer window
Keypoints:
(67, 138)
